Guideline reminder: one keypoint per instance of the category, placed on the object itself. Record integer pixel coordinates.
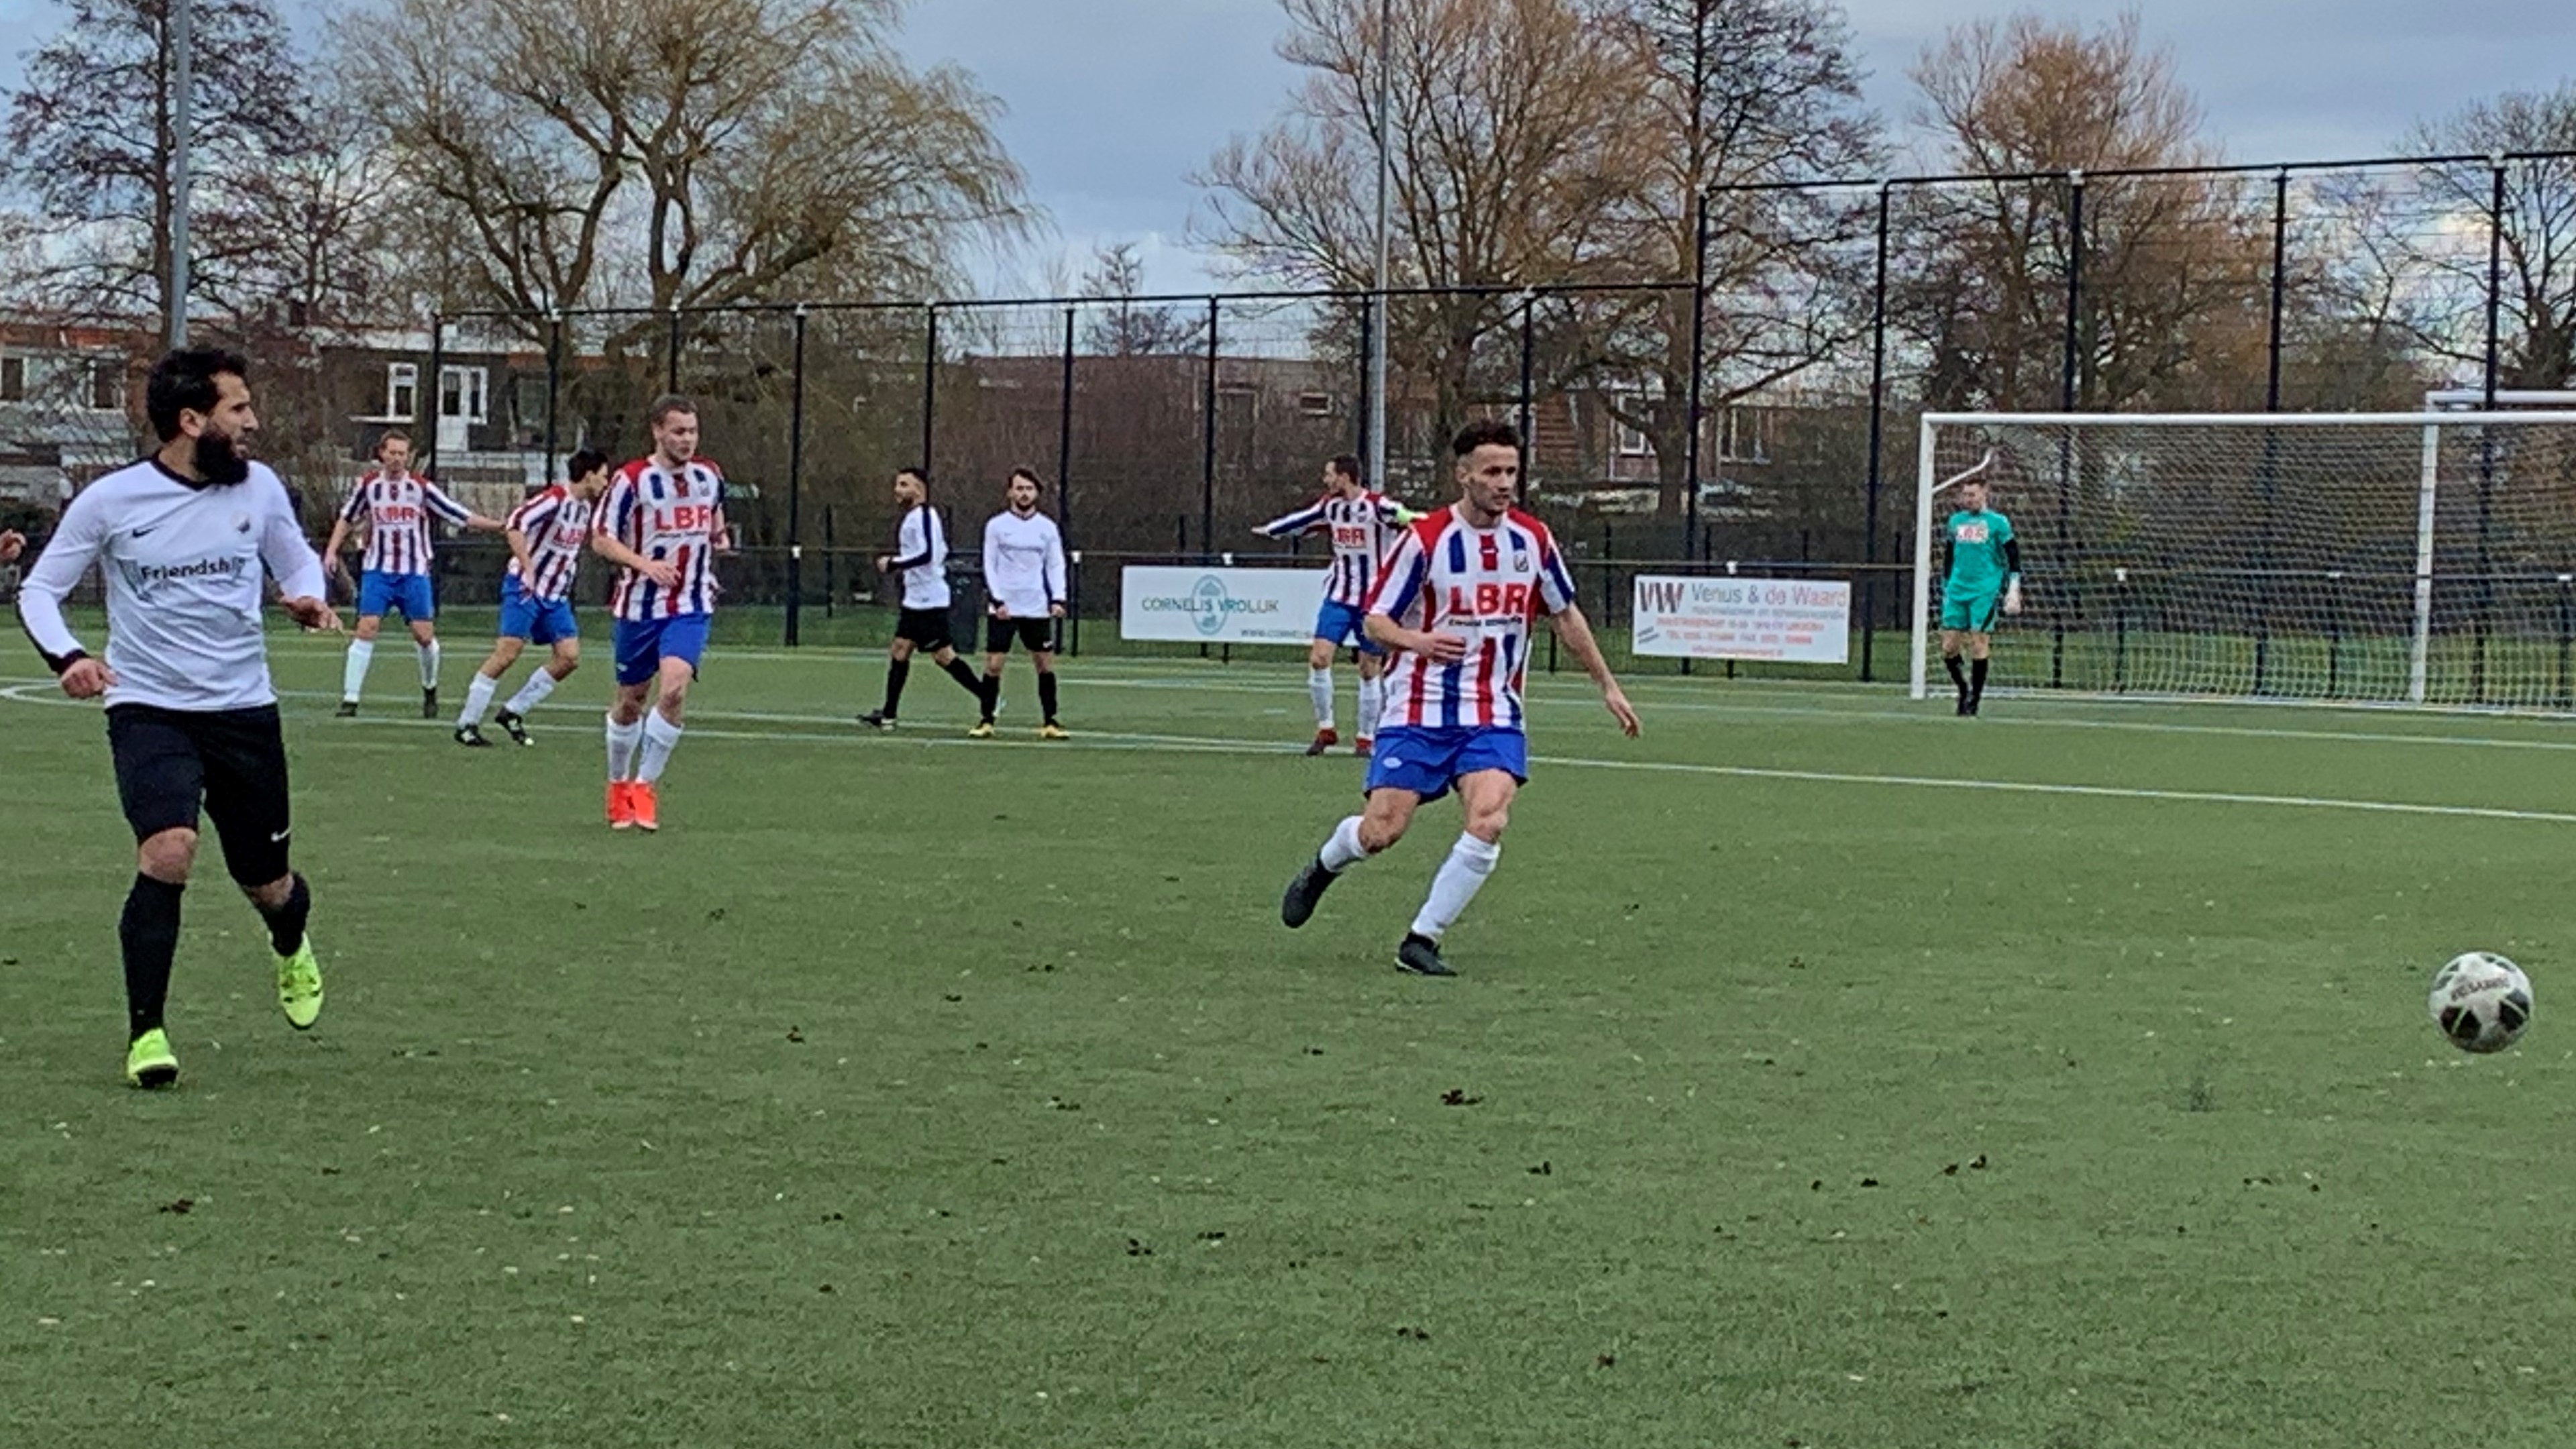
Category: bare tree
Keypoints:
(2168, 306)
(679, 153)
(92, 136)
(2537, 296)
(1124, 327)
(1733, 94)
(1512, 155)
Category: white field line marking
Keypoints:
(1211, 745)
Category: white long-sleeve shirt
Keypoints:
(182, 562)
(921, 558)
(1023, 564)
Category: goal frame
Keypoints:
(2442, 409)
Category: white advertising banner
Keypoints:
(1803, 621)
(1219, 605)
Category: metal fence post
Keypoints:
(2486, 436)
(796, 485)
(1207, 446)
(428, 399)
(671, 360)
(2069, 389)
(929, 384)
(554, 389)
(1877, 441)
(1527, 399)
(1694, 412)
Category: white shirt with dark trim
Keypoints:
(921, 558)
(1023, 564)
(182, 562)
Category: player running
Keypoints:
(1024, 585)
(921, 566)
(183, 540)
(661, 523)
(547, 533)
(1362, 526)
(1454, 607)
(396, 505)
(1985, 566)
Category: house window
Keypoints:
(106, 391)
(13, 379)
(461, 394)
(1631, 442)
(1744, 435)
(1315, 404)
(402, 389)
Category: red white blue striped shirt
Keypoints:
(396, 511)
(672, 516)
(1363, 529)
(556, 524)
(1485, 584)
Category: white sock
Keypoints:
(1372, 700)
(660, 738)
(1460, 877)
(1319, 688)
(532, 693)
(621, 747)
(1343, 851)
(429, 665)
(478, 698)
(353, 675)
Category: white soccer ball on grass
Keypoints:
(2481, 1001)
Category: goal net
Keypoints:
(2406, 557)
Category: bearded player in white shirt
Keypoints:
(920, 567)
(182, 540)
(1024, 587)
(1454, 606)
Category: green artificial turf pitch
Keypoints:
(1825, 1071)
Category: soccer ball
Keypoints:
(2481, 1001)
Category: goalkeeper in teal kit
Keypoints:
(1984, 576)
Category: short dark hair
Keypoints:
(391, 435)
(667, 404)
(1347, 466)
(1031, 474)
(1485, 433)
(585, 463)
(917, 475)
(184, 381)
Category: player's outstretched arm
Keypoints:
(1575, 632)
(75, 545)
(1288, 525)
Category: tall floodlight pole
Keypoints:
(182, 121)
(1377, 302)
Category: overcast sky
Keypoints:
(1112, 103)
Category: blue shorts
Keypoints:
(379, 593)
(539, 621)
(1428, 759)
(642, 644)
(1338, 624)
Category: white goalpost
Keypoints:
(2425, 557)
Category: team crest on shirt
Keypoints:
(241, 523)
(1972, 533)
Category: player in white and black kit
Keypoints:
(920, 565)
(1024, 591)
(181, 539)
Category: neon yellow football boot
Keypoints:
(299, 986)
(149, 1062)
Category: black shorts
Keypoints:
(233, 761)
(925, 629)
(1035, 635)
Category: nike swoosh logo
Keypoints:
(138, 533)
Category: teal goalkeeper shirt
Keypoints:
(1977, 542)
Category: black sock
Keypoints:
(286, 923)
(1046, 696)
(897, 671)
(1977, 683)
(991, 695)
(1958, 676)
(149, 932)
(965, 676)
